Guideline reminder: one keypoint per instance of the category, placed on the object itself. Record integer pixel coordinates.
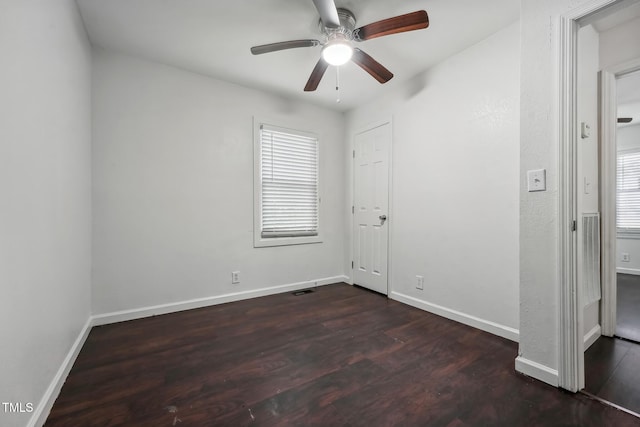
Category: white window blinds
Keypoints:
(289, 183)
(628, 192)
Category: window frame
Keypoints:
(625, 232)
(295, 128)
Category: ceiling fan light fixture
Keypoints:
(338, 25)
(337, 52)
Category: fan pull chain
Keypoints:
(338, 85)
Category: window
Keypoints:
(287, 196)
(628, 194)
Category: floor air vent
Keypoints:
(302, 292)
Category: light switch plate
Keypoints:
(587, 186)
(537, 180)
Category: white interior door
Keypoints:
(371, 208)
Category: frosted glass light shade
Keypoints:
(337, 52)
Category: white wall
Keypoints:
(588, 202)
(45, 182)
(588, 67)
(173, 187)
(454, 217)
(539, 272)
(628, 137)
(620, 44)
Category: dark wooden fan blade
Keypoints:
(316, 75)
(625, 119)
(371, 66)
(328, 13)
(291, 44)
(399, 24)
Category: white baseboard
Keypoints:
(536, 370)
(42, 409)
(628, 271)
(592, 336)
(467, 319)
(139, 313)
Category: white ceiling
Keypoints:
(213, 37)
(628, 10)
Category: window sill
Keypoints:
(260, 242)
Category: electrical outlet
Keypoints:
(625, 257)
(235, 277)
(419, 282)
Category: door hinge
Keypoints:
(352, 265)
(574, 225)
(354, 154)
(353, 210)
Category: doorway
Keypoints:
(628, 207)
(611, 361)
(371, 166)
(571, 374)
(620, 162)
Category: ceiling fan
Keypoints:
(339, 28)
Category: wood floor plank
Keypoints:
(611, 364)
(339, 356)
(623, 387)
(627, 302)
(601, 360)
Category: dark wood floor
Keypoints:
(628, 307)
(612, 366)
(612, 372)
(340, 356)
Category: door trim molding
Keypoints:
(391, 215)
(608, 154)
(570, 307)
(608, 108)
(569, 317)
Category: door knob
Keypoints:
(382, 218)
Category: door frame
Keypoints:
(370, 126)
(608, 155)
(570, 298)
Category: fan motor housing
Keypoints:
(347, 24)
